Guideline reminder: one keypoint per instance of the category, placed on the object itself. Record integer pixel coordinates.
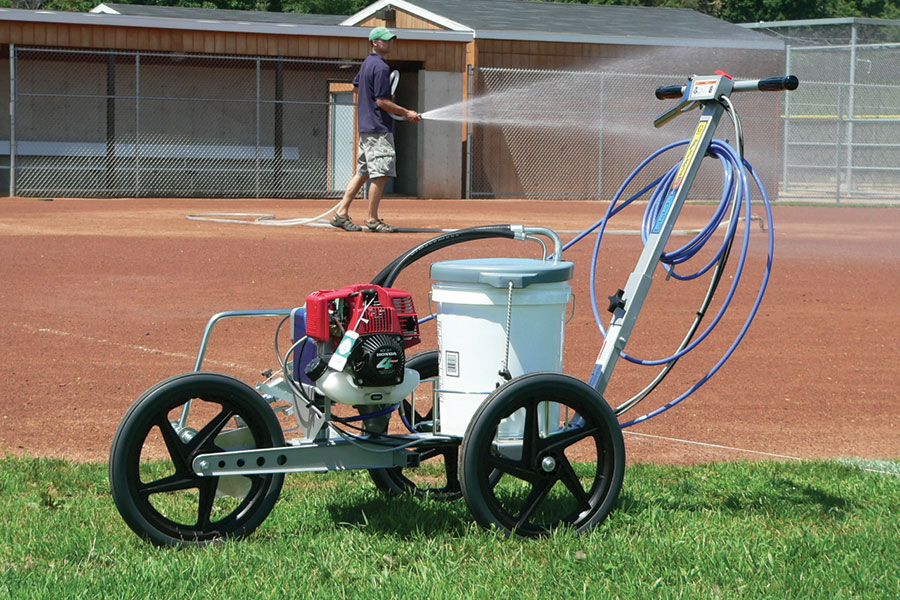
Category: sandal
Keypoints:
(344, 223)
(379, 226)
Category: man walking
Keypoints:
(376, 158)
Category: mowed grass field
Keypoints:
(737, 530)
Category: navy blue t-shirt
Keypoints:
(373, 82)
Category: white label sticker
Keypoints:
(703, 89)
(339, 358)
(452, 363)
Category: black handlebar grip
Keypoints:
(777, 84)
(669, 91)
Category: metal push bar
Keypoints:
(626, 304)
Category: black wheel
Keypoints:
(152, 482)
(437, 476)
(542, 451)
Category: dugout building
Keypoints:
(132, 100)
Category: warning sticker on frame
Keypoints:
(679, 177)
(704, 89)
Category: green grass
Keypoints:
(741, 530)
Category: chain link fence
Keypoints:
(109, 123)
(578, 135)
(842, 130)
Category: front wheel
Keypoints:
(542, 451)
(151, 478)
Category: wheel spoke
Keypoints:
(205, 436)
(176, 448)
(494, 477)
(531, 435)
(451, 466)
(564, 439)
(538, 492)
(570, 479)
(517, 469)
(205, 505)
(172, 483)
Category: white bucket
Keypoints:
(472, 298)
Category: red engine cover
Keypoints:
(364, 307)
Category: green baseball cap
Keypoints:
(381, 33)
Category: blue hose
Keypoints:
(735, 171)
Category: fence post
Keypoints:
(258, 99)
(840, 144)
(600, 141)
(12, 119)
(279, 124)
(137, 125)
(785, 131)
(469, 138)
(110, 123)
(851, 108)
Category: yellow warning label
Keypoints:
(689, 155)
(679, 177)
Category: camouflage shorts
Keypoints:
(376, 156)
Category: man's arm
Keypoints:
(392, 107)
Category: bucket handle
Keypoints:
(534, 238)
(572, 316)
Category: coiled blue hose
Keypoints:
(735, 193)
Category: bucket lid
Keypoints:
(498, 272)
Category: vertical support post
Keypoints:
(469, 138)
(785, 131)
(12, 119)
(839, 148)
(600, 141)
(851, 108)
(279, 123)
(628, 303)
(258, 100)
(110, 123)
(137, 125)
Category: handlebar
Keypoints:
(669, 91)
(769, 84)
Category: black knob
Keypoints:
(616, 301)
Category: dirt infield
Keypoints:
(102, 298)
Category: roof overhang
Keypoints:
(104, 9)
(577, 38)
(117, 20)
(409, 7)
(548, 36)
(817, 22)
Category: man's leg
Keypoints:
(376, 190)
(356, 182)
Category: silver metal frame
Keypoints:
(638, 285)
(323, 448)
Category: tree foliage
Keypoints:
(736, 11)
(751, 11)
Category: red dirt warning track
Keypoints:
(102, 298)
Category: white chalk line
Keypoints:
(858, 463)
(884, 467)
(133, 347)
(868, 465)
(708, 445)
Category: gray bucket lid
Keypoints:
(498, 272)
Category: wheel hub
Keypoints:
(548, 464)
